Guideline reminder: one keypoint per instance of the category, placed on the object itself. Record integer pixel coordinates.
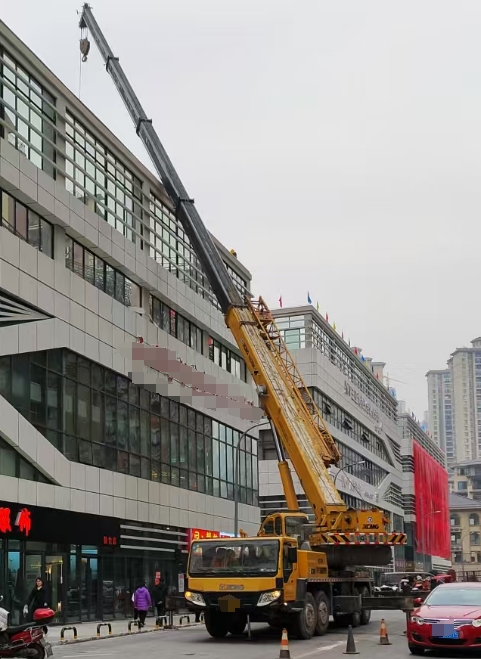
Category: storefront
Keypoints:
(90, 564)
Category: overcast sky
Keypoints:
(335, 145)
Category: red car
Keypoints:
(450, 617)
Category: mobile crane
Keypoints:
(292, 573)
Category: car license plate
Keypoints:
(444, 631)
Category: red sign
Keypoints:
(109, 540)
(23, 521)
(203, 534)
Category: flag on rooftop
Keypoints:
(334, 326)
(317, 306)
(327, 317)
(309, 301)
(280, 301)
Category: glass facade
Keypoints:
(14, 465)
(98, 417)
(26, 224)
(338, 417)
(302, 331)
(28, 112)
(100, 180)
(227, 359)
(175, 324)
(97, 272)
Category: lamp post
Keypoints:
(351, 464)
(236, 473)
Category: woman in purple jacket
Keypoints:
(142, 602)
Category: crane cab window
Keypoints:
(278, 525)
(294, 527)
(268, 527)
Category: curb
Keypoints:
(119, 635)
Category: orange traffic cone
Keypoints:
(284, 653)
(383, 637)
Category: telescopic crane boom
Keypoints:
(297, 426)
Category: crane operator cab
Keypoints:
(290, 524)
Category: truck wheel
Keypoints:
(306, 619)
(365, 613)
(322, 606)
(216, 623)
(237, 625)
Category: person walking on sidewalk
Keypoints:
(38, 599)
(159, 591)
(142, 603)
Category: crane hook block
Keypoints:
(84, 49)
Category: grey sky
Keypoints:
(335, 145)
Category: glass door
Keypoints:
(54, 567)
(14, 594)
(89, 587)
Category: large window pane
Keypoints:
(200, 453)
(155, 437)
(21, 220)
(20, 384)
(174, 444)
(38, 412)
(122, 425)
(98, 455)
(165, 438)
(53, 400)
(85, 451)
(192, 450)
(183, 454)
(97, 416)
(134, 421)
(8, 462)
(83, 411)
(68, 405)
(145, 433)
(110, 421)
(8, 211)
(5, 377)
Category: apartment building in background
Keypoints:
(465, 526)
(103, 481)
(440, 412)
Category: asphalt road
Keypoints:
(265, 644)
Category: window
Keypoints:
(29, 112)
(100, 180)
(174, 324)
(227, 359)
(26, 224)
(83, 263)
(98, 417)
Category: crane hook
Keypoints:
(84, 48)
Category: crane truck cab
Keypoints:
(271, 579)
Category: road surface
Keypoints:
(265, 644)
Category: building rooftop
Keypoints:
(458, 502)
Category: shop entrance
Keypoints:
(54, 579)
(90, 603)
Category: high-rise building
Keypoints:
(440, 413)
(103, 479)
(465, 369)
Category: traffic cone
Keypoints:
(350, 646)
(284, 653)
(383, 637)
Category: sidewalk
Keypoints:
(87, 631)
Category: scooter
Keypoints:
(28, 639)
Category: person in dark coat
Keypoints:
(142, 603)
(38, 598)
(159, 592)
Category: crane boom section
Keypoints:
(213, 265)
(297, 429)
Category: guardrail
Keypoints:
(134, 622)
(184, 618)
(161, 621)
(62, 634)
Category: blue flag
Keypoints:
(309, 301)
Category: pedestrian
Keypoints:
(159, 591)
(142, 602)
(38, 598)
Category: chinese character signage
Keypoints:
(110, 541)
(203, 534)
(23, 520)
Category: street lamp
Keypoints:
(351, 464)
(236, 473)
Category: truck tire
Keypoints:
(322, 607)
(365, 613)
(216, 623)
(237, 625)
(306, 619)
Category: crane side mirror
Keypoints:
(292, 555)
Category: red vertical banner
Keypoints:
(433, 536)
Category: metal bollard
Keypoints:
(184, 618)
(134, 622)
(103, 624)
(161, 621)
(62, 634)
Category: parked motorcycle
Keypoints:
(28, 639)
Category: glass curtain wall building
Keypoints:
(102, 480)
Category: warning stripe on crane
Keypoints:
(364, 538)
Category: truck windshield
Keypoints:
(223, 557)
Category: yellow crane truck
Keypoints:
(293, 573)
